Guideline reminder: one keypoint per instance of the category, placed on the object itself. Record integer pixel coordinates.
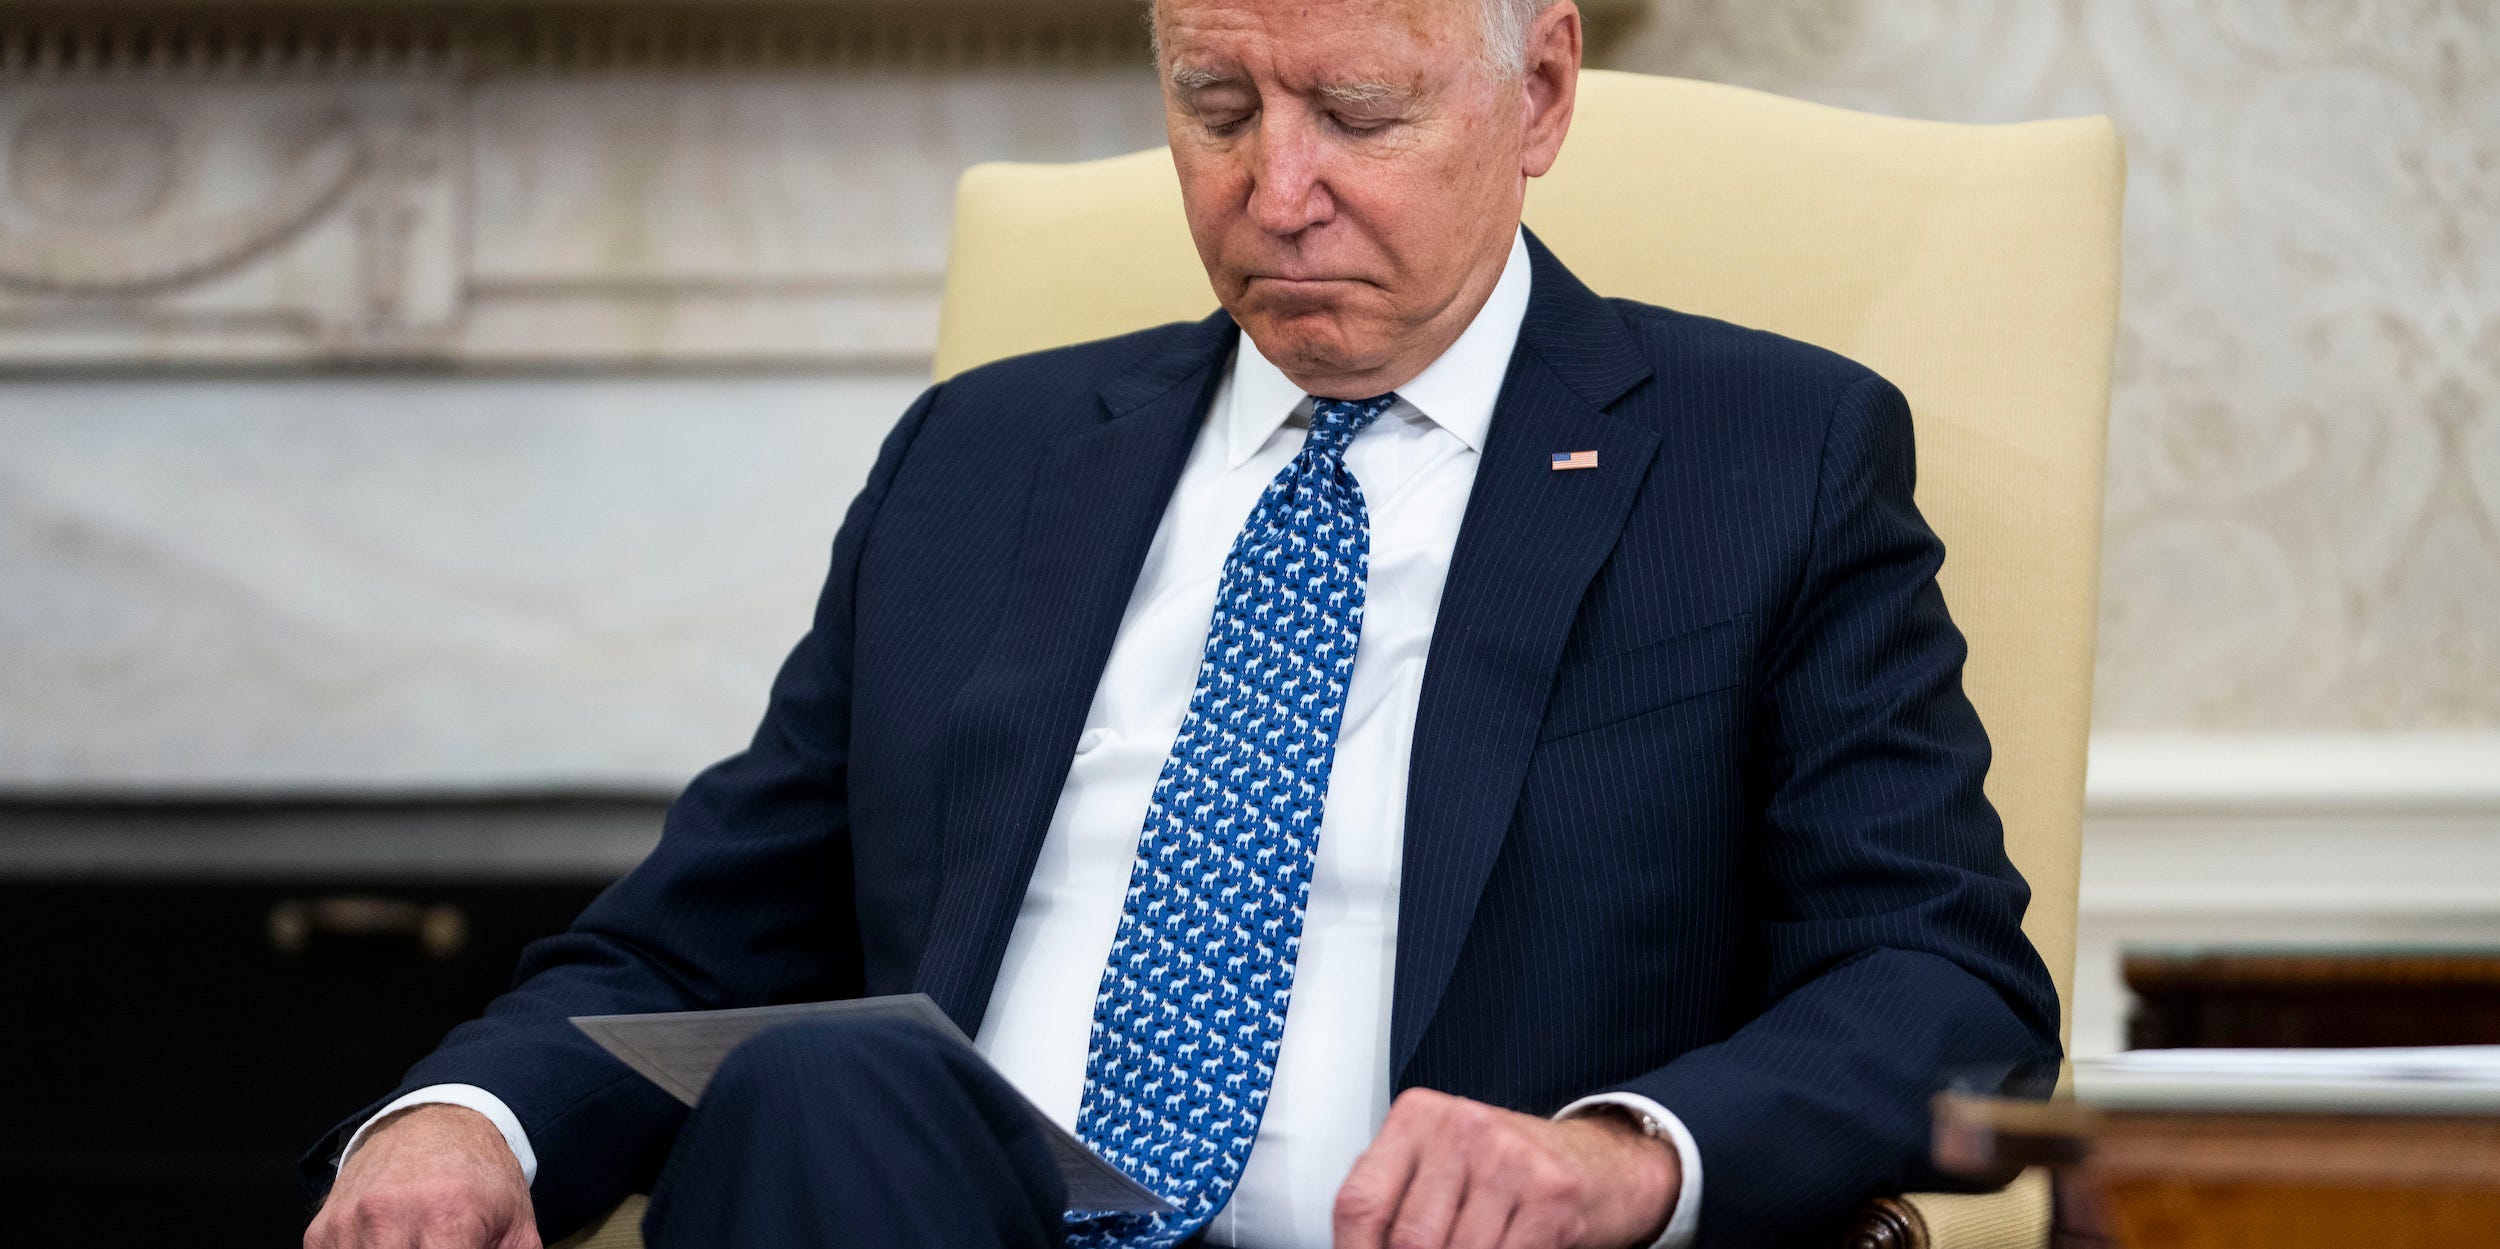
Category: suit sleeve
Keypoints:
(1890, 916)
(744, 901)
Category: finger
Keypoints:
(1539, 1228)
(1484, 1216)
(450, 1230)
(1429, 1205)
(433, 1230)
(1369, 1197)
(1494, 1191)
(378, 1224)
(1545, 1215)
(435, 1214)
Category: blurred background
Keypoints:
(422, 427)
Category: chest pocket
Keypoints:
(1595, 692)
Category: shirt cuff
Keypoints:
(474, 1098)
(1686, 1218)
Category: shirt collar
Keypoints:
(1456, 392)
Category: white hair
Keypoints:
(1502, 46)
(1507, 25)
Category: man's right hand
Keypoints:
(429, 1177)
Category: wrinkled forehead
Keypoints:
(1406, 45)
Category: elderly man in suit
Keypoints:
(1426, 756)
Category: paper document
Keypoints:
(2443, 1079)
(2418, 1062)
(679, 1051)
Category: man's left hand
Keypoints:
(1448, 1173)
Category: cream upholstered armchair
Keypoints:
(1975, 266)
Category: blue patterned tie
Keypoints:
(1192, 1004)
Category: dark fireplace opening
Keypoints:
(200, 989)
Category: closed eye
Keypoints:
(1360, 125)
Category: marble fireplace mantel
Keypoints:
(426, 397)
(523, 183)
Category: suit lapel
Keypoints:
(1098, 497)
(1530, 543)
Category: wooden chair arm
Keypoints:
(1887, 1223)
(2015, 1217)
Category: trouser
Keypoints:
(840, 1132)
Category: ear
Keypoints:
(1550, 85)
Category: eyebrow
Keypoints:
(1363, 93)
(1359, 93)
(1197, 78)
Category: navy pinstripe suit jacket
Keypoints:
(1695, 800)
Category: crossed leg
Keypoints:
(841, 1132)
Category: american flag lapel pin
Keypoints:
(1574, 459)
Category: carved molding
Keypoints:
(228, 224)
(578, 183)
(156, 37)
(651, 221)
(101, 175)
(511, 37)
(306, 182)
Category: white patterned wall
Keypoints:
(2304, 479)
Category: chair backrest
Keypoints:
(1975, 266)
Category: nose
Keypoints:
(1287, 167)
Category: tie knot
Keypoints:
(1335, 422)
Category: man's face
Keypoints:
(1352, 174)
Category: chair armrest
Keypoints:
(1888, 1223)
(620, 1228)
(2015, 1217)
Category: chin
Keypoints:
(1314, 344)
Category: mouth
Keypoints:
(1282, 284)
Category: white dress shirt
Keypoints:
(1416, 465)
